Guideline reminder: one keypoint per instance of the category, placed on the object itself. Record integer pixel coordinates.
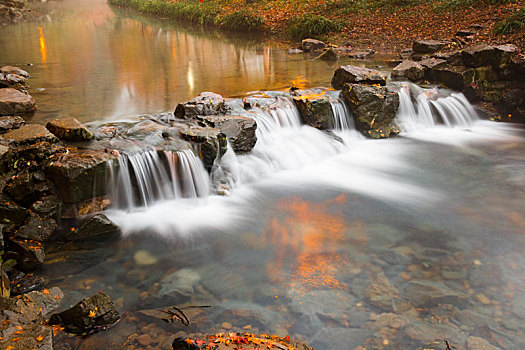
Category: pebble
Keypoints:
(143, 257)
(226, 325)
(144, 339)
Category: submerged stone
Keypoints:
(354, 74)
(329, 55)
(429, 293)
(13, 102)
(69, 129)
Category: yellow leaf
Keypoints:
(91, 313)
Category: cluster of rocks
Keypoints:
(14, 99)
(323, 51)
(11, 11)
(486, 73)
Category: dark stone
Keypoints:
(429, 293)
(37, 229)
(480, 55)
(406, 53)
(340, 338)
(408, 70)
(96, 225)
(354, 74)
(373, 108)
(329, 55)
(48, 207)
(80, 174)
(239, 130)
(295, 51)
(428, 46)
(30, 254)
(457, 78)
(382, 293)
(207, 103)
(13, 77)
(10, 122)
(310, 45)
(393, 63)
(69, 129)
(316, 112)
(20, 187)
(29, 134)
(26, 283)
(13, 102)
(452, 57)
(466, 32)
(87, 316)
(211, 141)
(182, 344)
(362, 55)
(429, 64)
(10, 212)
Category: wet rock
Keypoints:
(13, 102)
(80, 174)
(457, 78)
(476, 343)
(37, 229)
(354, 74)
(382, 294)
(12, 69)
(30, 254)
(325, 304)
(242, 314)
(429, 293)
(20, 187)
(310, 45)
(239, 130)
(329, 55)
(10, 212)
(340, 338)
(373, 108)
(207, 103)
(316, 112)
(306, 324)
(13, 77)
(144, 258)
(89, 315)
(9, 123)
(429, 64)
(408, 70)
(466, 32)
(48, 207)
(25, 283)
(5, 285)
(472, 319)
(480, 55)
(212, 143)
(180, 284)
(29, 134)
(362, 55)
(434, 332)
(428, 46)
(96, 225)
(69, 129)
(405, 53)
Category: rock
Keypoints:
(452, 57)
(96, 225)
(428, 46)
(406, 53)
(329, 55)
(382, 293)
(13, 77)
(429, 64)
(37, 229)
(207, 103)
(48, 207)
(325, 304)
(87, 316)
(466, 32)
(457, 78)
(9, 123)
(433, 332)
(429, 293)
(475, 343)
(144, 339)
(211, 141)
(20, 187)
(316, 112)
(373, 108)
(144, 258)
(362, 55)
(354, 74)
(80, 174)
(239, 130)
(30, 254)
(5, 285)
(392, 63)
(69, 129)
(13, 102)
(10, 14)
(180, 284)
(14, 70)
(340, 338)
(10, 212)
(29, 134)
(480, 55)
(505, 53)
(25, 283)
(310, 45)
(408, 70)
(295, 51)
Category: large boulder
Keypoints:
(408, 70)
(211, 142)
(36, 228)
(354, 74)
(309, 45)
(14, 102)
(207, 103)
(8, 123)
(429, 64)
(29, 134)
(69, 129)
(239, 130)
(47, 207)
(21, 187)
(29, 254)
(96, 225)
(480, 55)
(13, 76)
(373, 108)
(428, 46)
(87, 316)
(80, 174)
(316, 111)
(452, 57)
(10, 212)
(457, 78)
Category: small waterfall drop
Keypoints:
(426, 108)
(342, 116)
(143, 178)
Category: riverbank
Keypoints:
(386, 26)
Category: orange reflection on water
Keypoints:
(307, 240)
(43, 49)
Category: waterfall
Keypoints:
(425, 108)
(342, 116)
(140, 179)
(281, 114)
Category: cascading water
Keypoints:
(143, 178)
(426, 108)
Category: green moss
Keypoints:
(311, 26)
